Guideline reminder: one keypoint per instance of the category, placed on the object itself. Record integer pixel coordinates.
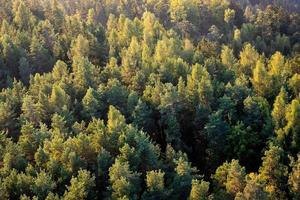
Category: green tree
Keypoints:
(293, 126)
(227, 58)
(82, 186)
(155, 182)
(248, 59)
(41, 58)
(294, 84)
(199, 190)
(216, 132)
(261, 80)
(90, 104)
(254, 189)
(43, 185)
(231, 177)
(25, 69)
(80, 47)
(279, 109)
(229, 15)
(83, 75)
(131, 61)
(59, 99)
(143, 117)
(294, 180)
(124, 182)
(23, 16)
(273, 172)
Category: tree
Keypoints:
(58, 125)
(30, 111)
(229, 16)
(82, 186)
(80, 47)
(294, 178)
(171, 128)
(248, 32)
(227, 58)
(273, 172)
(60, 71)
(43, 185)
(261, 80)
(116, 121)
(199, 190)
(231, 177)
(143, 117)
(55, 15)
(248, 59)
(52, 196)
(41, 58)
(90, 104)
(155, 181)
(115, 125)
(258, 116)
(7, 117)
(23, 16)
(277, 65)
(83, 75)
(25, 69)
(10, 55)
(279, 109)
(91, 17)
(59, 99)
(178, 11)
(124, 182)
(292, 129)
(199, 86)
(253, 190)
(216, 133)
(271, 20)
(185, 173)
(131, 61)
(294, 84)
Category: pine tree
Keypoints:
(41, 58)
(292, 129)
(43, 185)
(273, 172)
(90, 104)
(254, 189)
(279, 108)
(23, 16)
(82, 187)
(261, 80)
(248, 59)
(229, 16)
(83, 75)
(80, 47)
(294, 178)
(124, 182)
(199, 190)
(231, 177)
(227, 58)
(143, 117)
(294, 83)
(276, 64)
(25, 69)
(131, 61)
(59, 99)
(155, 181)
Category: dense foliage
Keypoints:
(149, 99)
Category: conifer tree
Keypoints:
(199, 190)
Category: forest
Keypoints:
(149, 99)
